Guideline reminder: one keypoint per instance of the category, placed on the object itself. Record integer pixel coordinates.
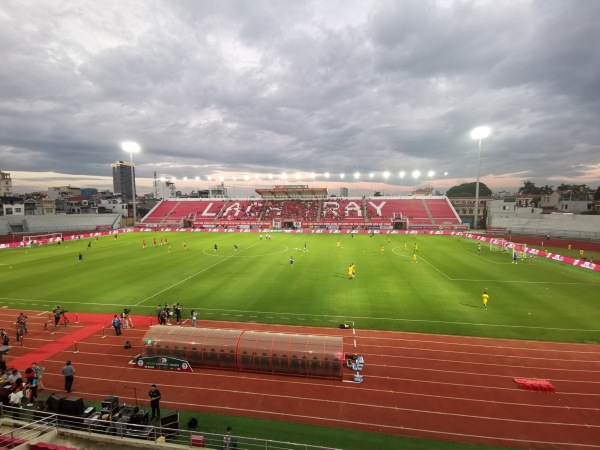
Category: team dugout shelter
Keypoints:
(246, 350)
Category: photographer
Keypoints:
(57, 313)
(126, 316)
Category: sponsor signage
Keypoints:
(162, 363)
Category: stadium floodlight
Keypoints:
(197, 178)
(445, 183)
(131, 148)
(371, 175)
(326, 174)
(298, 175)
(402, 174)
(246, 177)
(478, 134)
(209, 178)
(386, 175)
(312, 175)
(283, 175)
(342, 176)
(416, 174)
(162, 179)
(430, 174)
(270, 176)
(356, 175)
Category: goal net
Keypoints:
(502, 245)
(519, 249)
(28, 241)
(498, 245)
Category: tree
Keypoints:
(597, 194)
(377, 194)
(577, 191)
(528, 188)
(468, 190)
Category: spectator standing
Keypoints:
(177, 308)
(162, 318)
(116, 323)
(69, 373)
(128, 320)
(229, 441)
(22, 319)
(19, 331)
(31, 386)
(158, 311)
(39, 371)
(154, 396)
(193, 316)
(5, 339)
(168, 311)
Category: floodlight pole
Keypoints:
(479, 133)
(131, 148)
(133, 188)
(476, 215)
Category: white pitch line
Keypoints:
(190, 277)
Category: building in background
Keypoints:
(89, 192)
(343, 192)
(5, 184)
(63, 191)
(124, 179)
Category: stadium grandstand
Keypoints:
(295, 207)
(15, 228)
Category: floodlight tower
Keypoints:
(416, 174)
(131, 148)
(479, 134)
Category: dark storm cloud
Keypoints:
(233, 87)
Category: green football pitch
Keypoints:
(441, 293)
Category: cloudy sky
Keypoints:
(239, 89)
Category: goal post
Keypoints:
(498, 245)
(28, 241)
(520, 250)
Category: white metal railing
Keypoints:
(87, 428)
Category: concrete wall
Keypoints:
(523, 221)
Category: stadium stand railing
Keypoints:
(50, 431)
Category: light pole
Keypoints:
(430, 175)
(132, 147)
(416, 174)
(479, 134)
(446, 183)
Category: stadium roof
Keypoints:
(293, 191)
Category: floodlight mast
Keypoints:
(479, 134)
(131, 148)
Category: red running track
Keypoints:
(431, 386)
